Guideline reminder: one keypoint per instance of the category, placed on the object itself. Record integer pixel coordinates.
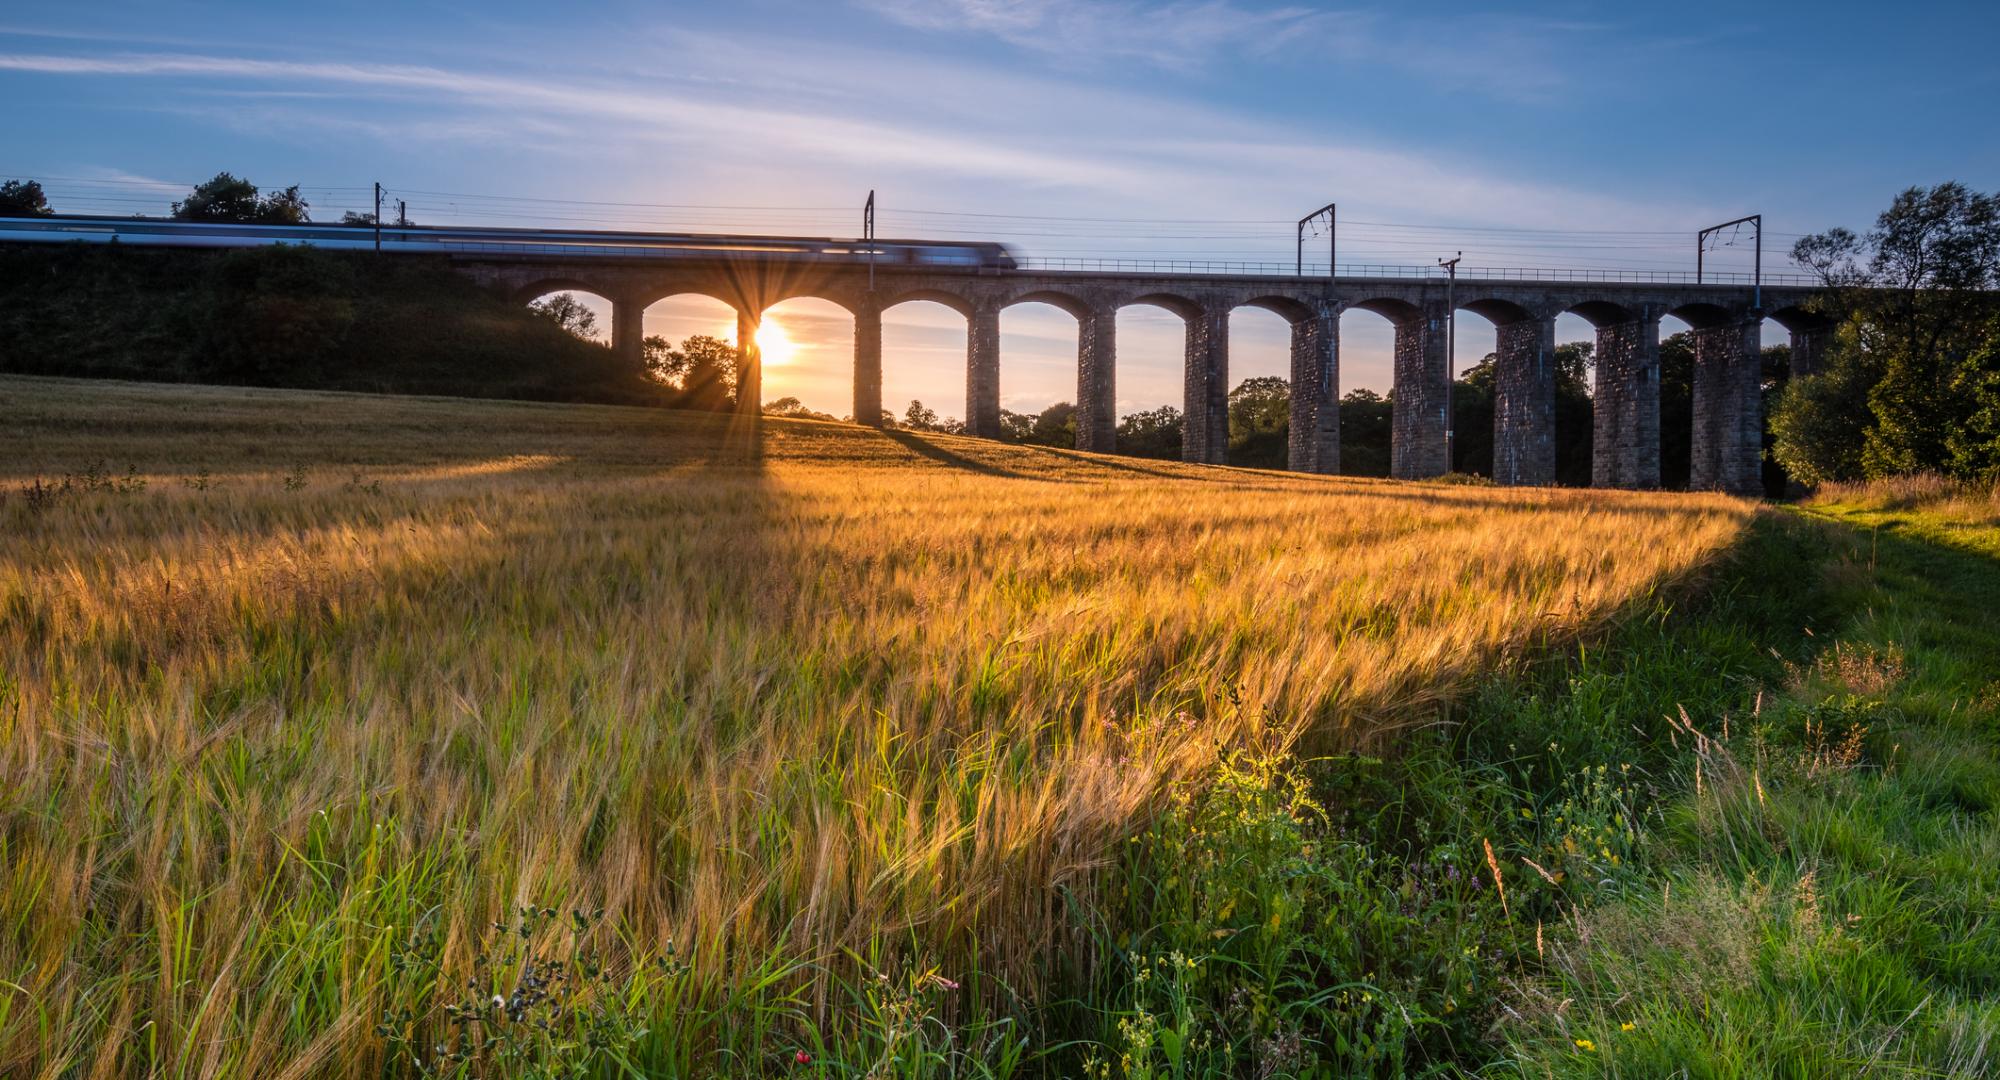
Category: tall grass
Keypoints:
(288, 681)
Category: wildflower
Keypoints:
(802, 1058)
(1627, 1026)
(1585, 1045)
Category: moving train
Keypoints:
(457, 240)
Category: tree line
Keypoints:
(226, 199)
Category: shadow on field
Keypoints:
(925, 448)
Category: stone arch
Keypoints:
(956, 302)
(1288, 308)
(549, 286)
(1701, 315)
(1185, 307)
(1056, 298)
(1600, 313)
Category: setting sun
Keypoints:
(774, 344)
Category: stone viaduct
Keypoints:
(1725, 319)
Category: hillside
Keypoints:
(288, 316)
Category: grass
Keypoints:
(348, 736)
(839, 745)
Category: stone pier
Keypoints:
(1313, 443)
(1728, 409)
(1096, 381)
(1206, 436)
(1417, 420)
(1625, 440)
(1524, 403)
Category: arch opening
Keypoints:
(925, 338)
(1368, 380)
(689, 344)
(586, 314)
(806, 347)
(1260, 373)
(1151, 397)
(1040, 334)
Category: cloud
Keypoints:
(1183, 33)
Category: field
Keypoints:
(799, 734)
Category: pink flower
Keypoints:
(802, 1058)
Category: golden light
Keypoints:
(776, 347)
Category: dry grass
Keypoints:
(346, 663)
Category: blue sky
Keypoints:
(1562, 134)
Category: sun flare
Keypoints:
(776, 347)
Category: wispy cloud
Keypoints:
(1181, 33)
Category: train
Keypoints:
(471, 240)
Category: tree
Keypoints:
(1917, 341)
(1056, 426)
(1156, 433)
(1365, 421)
(566, 311)
(357, 217)
(702, 371)
(230, 199)
(1260, 422)
(1576, 414)
(788, 406)
(1015, 427)
(23, 198)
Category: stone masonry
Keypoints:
(1524, 402)
(1625, 443)
(1417, 420)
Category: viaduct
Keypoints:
(1726, 322)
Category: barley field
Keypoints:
(291, 680)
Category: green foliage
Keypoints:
(566, 311)
(1260, 422)
(1365, 425)
(1054, 426)
(1156, 433)
(290, 316)
(538, 1002)
(701, 372)
(23, 198)
(788, 406)
(1918, 344)
(230, 199)
(274, 314)
(920, 417)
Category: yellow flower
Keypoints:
(1585, 1045)
(1627, 1026)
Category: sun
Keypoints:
(774, 345)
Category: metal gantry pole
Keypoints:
(1755, 221)
(1331, 213)
(868, 235)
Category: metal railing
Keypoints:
(1381, 270)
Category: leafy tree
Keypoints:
(23, 198)
(1472, 418)
(1365, 424)
(788, 406)
(231, 199)
(1919, 335)
(1015, 427)
(1260, 422)
(702, 370)
(566, 311)
(1156, 433)
(921, 417)
(1677, 411)
(1056, 426)
(1820, 422)
(357, 217)
(1576, 415)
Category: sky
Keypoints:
(1571, 135)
